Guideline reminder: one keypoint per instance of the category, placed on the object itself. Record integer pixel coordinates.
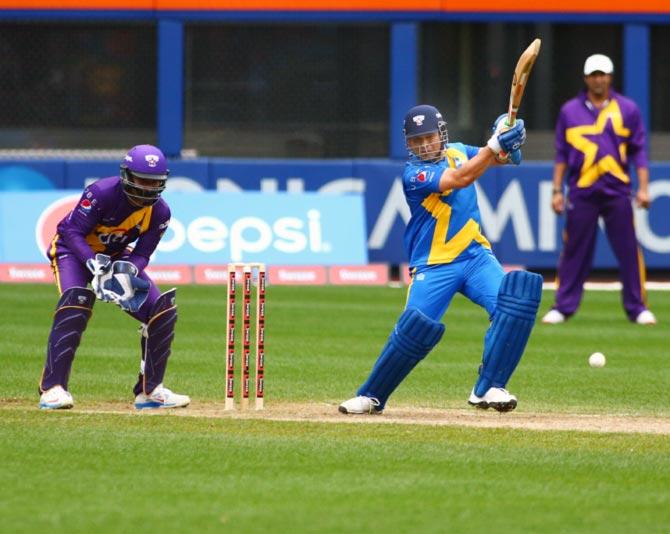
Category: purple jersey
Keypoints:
(598, 144)
(105, 222)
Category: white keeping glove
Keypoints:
(100, 267)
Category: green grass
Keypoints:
(80, 472)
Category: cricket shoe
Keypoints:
(360, 404)
(160, 398)
(646, 317)
(497, 398)
(56, 398)
(553, 317)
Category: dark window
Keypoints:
(466, 70)
(287, 91)
(77, 86)
(660, 92)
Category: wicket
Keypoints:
(246, 335)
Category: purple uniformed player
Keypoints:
(91, 245)
(598, 134)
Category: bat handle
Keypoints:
(511, 117)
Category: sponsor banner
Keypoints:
(514, 203)
(209, 227)
(305, 275)
(33, 273)
(375, 275)
(217, 274)
(170, 274)
(210, 274)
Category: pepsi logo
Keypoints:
(421, 177)
(85, 204)
(45, 228)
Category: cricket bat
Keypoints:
(520, 79)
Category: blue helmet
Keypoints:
(425, 120)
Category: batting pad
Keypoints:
(73, 311)
(412, 339)
(157, 337)
(518, 300)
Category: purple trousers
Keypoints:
(579, 240)
(70, 322)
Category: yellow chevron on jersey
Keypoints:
(102, 235)
(444, 226)
(445, 250)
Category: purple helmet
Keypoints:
(144, 162)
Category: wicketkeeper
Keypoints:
(91, 245)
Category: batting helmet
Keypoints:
(425, 119)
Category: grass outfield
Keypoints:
(81, 469)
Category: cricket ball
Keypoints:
(597, 359)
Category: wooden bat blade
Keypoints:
(520, 79)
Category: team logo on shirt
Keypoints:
(422, 177)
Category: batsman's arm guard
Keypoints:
(518, 301)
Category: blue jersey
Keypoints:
(444, 227)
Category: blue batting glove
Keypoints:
(512, 139)
(516, 157)
(506, 139)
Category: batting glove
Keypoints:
(508, 140)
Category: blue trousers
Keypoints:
(478, 278)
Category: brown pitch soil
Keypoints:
(327, 413)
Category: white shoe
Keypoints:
(360, 404)
(56, 398)
(646, 317)
(553, 317)
(161, 397)
(497, 398)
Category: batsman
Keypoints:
(93, 245)
(449, 254)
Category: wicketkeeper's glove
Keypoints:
(122, 286)
(99, 267)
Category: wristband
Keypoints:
(494, 145)
(557, 191)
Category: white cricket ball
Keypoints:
(597, 359)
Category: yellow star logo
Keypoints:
(592, 169)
